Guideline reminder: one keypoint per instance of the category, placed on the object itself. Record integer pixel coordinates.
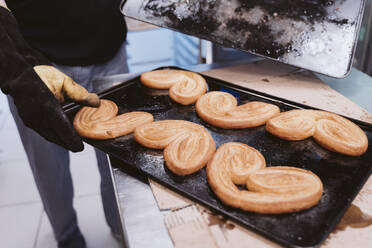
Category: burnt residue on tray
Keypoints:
(202, 17)
(305, 10)
(278, 29)
(263, 42)
(301, 10)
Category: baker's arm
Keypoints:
(37, 87)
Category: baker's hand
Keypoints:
(63, 86)
(38, 107)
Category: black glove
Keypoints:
(36, 104)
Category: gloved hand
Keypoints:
(63, 86)
(36, 89)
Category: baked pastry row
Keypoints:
(331, 131)
(220, 109)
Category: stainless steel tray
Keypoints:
(318, 35)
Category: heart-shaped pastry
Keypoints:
(292, 125)
(331, 131)
(184, 87)
(221, 109)
(270, 190)
(103, 122)
(188, 146)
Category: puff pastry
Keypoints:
(331, 131)
(221, 109)
(103, 122)
(187, 146)
(184, 87)
(272, 190)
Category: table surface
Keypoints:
(142, 221)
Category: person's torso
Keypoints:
(73, 32)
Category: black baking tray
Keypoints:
(342, 176)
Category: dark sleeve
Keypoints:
(16, 56)
(36, 104)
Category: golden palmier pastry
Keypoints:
(340, 135)
(160, 134)
(184, 87)
(292, 125)
(331, 131)
(103, 122)
(188, 146)
(188, 90)
(221, 109)
(272, 190)
(160, 79)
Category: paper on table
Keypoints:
(188, 222)
(168, 199)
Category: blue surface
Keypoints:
(357, 87)
(153, 48)
(150, 49)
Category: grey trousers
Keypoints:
(50, 162)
